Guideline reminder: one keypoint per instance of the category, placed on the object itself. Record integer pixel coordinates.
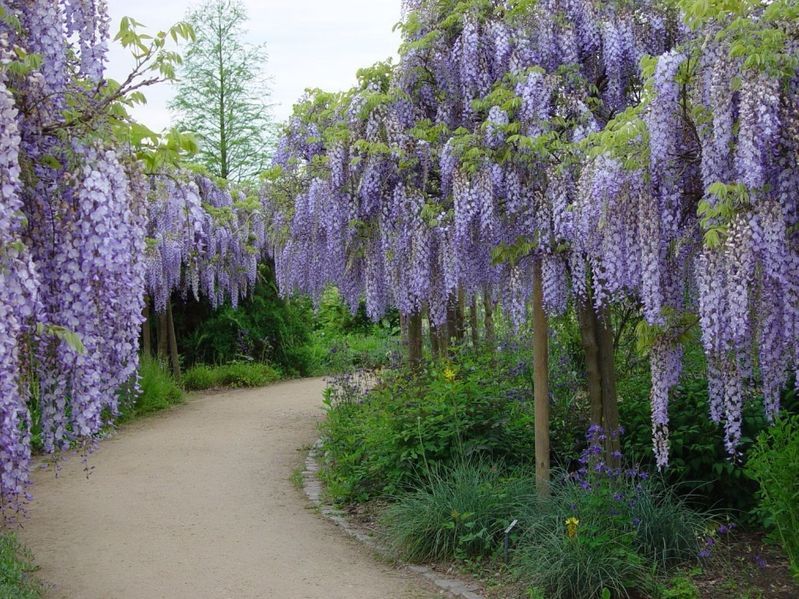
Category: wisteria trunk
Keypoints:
(474, 323)
(452, 320)
(443, 340)
(174, 356)
(610, 400)
(588, 337)
(415, 340)
(541, 382)
(146, 335)
(596, 334)
(460, 316)
(488, 307)
(163, 336)
(404, 332)
(434, 338)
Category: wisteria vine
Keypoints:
(86, 233)
(615, 142)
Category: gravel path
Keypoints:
(197, 503)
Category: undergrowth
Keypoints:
(157, 391)
(16, 568)
(234, 375)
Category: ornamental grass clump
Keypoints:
(605, 528)
(458, 512)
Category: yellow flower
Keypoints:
(449, 374)
(571, 527)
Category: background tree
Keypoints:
(223, 91)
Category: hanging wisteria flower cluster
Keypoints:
(202, 239)
(614, 142)
(85, 233)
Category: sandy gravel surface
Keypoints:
(197, 503)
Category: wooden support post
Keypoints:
(541, 382)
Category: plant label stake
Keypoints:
(507, 539)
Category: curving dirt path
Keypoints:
(198, 503)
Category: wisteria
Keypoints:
(85, 233)
(201, 239)
(18, 305)
(713, 227)
(609, 150)
(608, 140)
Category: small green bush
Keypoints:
(201, 377)
(774, 465)
(680, 587)
(16, 566)
(157, 390)
(376, 443)
(235, 375)
(336, 353)
(457, 511)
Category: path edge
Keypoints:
(312, 487)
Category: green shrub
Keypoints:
(263, 328)
(334, 316)
(336, 353)
(457, 511)
(201, 377)
(16, 566)
(157, 390)
(234, 375)
(375, 443)
(774, 464)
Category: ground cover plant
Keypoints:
(16, 571)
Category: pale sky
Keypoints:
(311, 43)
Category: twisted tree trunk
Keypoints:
(596, 334)
(488, 306)
(415, 340)
(474, 323)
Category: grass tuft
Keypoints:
(458, 511)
